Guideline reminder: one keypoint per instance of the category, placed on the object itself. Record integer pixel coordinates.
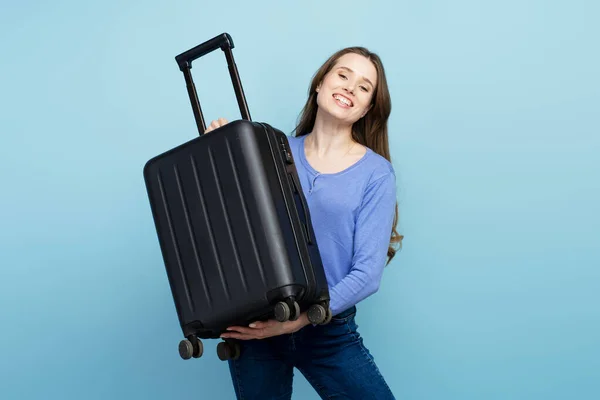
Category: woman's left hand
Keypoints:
(266, 329)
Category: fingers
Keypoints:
(254, 331)
(213, 125)
(243, 330)
(241, 333)
(239, 336)
(258, 325)
(216, 124)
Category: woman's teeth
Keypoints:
(343, 100)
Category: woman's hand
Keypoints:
(216, 124)
(266, 329)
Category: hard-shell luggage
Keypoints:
(233, 224)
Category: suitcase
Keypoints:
(233, 224)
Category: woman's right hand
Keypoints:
(216, 124)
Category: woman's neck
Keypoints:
(329, 137)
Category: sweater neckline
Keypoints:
(313, 171)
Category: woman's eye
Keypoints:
(364, 89)
(342, 75)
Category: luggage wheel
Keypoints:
(319, 314)
(288, 310)
(228, 349)
(191, 347)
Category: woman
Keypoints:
(341, 153)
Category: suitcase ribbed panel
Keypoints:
(244, 208)
(231, 243)
(228, 260)
(165, 204)
(209, 252)
(202, 203)
(192, 234)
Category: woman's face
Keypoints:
(347, 90)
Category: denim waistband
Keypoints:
(345, 313)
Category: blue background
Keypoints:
(494, 135)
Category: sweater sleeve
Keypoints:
(371, 240)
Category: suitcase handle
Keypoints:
(222, 41)
(184, 60)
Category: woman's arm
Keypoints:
(371, 240)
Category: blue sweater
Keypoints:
(352, 212)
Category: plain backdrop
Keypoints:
(494, 135)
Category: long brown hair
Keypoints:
(370, 131)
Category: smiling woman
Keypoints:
(343, 162)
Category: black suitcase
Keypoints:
(233, 224)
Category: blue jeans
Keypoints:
(332, 358)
